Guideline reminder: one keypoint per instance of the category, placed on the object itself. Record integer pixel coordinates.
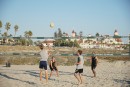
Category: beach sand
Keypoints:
(109, 74)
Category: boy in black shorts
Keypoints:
(79, 67)
(53, 66)
(43, 61)
(94, 61)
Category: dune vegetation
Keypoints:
(20, 55)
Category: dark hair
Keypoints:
(93, 52)
(52, 57)
(80, 52)
(41, 46)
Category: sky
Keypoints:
(88, 16)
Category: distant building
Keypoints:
(49, 42)
(117, 38)
(116, 33)
(105, 41)
(73, 33)
(89, 35)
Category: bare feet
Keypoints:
(78, 83)
(44, 82)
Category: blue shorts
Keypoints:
(43, 64)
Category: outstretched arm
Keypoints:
(49, 53)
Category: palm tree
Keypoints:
(0, 26)
(7, 27)
(4, 39)
(55, 35)
(30, 33)
(30, 42)
(0, 30)
(5, 34)
(16, 29)
(97, 35)
(26, 34)
(59, 32)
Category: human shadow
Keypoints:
(128, 82)
(59, 81)
(8, 77)
(4, 66)
(70, 73)
(122, 81)
(32, 73)
(13, 71)
(36, 74)
(65, 73)
(88, 76)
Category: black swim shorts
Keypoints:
(79, 71)
(43, 64)
(54, 68)
(93, 67)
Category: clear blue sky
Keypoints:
(88, 16)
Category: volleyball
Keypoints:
(52, 25)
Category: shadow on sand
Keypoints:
(65, 73)
(8, 77)
(32, 73)
(121, 81)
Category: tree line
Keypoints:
(7, 39)
(63, 41)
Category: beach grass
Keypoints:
(61, 60)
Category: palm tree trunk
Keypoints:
(15, 34)
(7, 37)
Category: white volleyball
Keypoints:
(52, 25)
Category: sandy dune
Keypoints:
(109, 74)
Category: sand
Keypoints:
(109, 74)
